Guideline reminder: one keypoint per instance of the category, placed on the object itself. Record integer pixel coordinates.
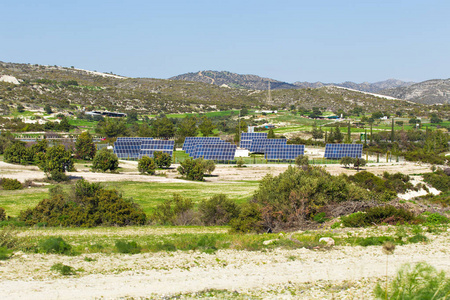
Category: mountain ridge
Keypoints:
(256, 82)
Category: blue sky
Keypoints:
(321, 40)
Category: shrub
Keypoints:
(249, 219)
(346, 161)
(292, 197)
(320, 217)
(87, 205)
(374, 240)
(377, 215)
(5, 253)
(128, 247)
(357, 219)
(240, 162)
(55, 245)
(2, 214)
(421, 281)
(436, 219)
(191, 169)
(162, 160)
(146, 165)
(418, 238)
(105, 160)
(63, 269)
(8, 237)
(439, 180)
(58, 176)
(10, 184)
(208, 166)
(218, 210)
(174, 211)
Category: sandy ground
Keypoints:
(340, 273)
(128, 172)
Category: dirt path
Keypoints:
(144, 275)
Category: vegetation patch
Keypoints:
(87, 205)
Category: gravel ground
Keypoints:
(342, 272)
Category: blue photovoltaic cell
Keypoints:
(284, 152)
(223, 151)
(338, 151)
(136, 147)
(191, 142)
(261, 145)
(248, 137)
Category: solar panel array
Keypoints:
(261, 145)
(137, 147)
(212, 148)
(284, 152)
(338, 151)
(248, 137)
(190, 142)
(220, 151)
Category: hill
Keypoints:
(234, 80)
(436, 91)
(365, 86)
(72, 89)
(255, 82)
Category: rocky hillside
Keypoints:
(436, 91)
(255, 82)
(72, 89)
(233, 80)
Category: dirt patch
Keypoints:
(343, 269)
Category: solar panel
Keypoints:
(190, 142)
(136, 147)
(248, 137)
(260, 145)
(223, 151)
(284, 152)
(337, 151)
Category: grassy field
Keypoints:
(148, 195)
(15, 201)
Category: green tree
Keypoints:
(359, 162)
(20, 108)
(270, 134)
(346, 161)
(57, 161)
(317, 133)
(17, 153)
(84, 146)
(162, 159)
(105, 160)
(338, 136)
(6, 139)
(315, 112)
(64, 124)
(132, 117)
(145, 130)
(112, 127)
(147, 165)
(187, 127)
(48, 109)
(206, 126)
(163, 127)
(302, 161)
